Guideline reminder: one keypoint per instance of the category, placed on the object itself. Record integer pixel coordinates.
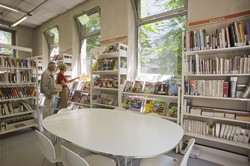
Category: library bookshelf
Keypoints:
(18, 91)
(214, 79)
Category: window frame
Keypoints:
(13, 37)
(87, 12)
(136, 6)
(54, 45)
(83, 38)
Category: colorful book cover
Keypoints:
(191, 87)
(136, 104)
(137, 88)
(173, 87)
(172, 110)
(127, 103)
(159, 107)
(148, 106)
(161, 88)
(149, 87)
(128, 86)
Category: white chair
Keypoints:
(63, 110)
(163, 160)
(50, 152)
(70, 158)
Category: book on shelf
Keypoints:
(138, 87)
(107, 99)
(237, 64)
(161, 88)
(15, 62)
(148, 106)
(172, 110)
(231, 35)
(128, 86)
(149, 87)
(80, 97)
(160, 107)
(106, 82)
(17, 92)
(213, 88)
(133, 103)
(173, 86)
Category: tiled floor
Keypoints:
(22, 149)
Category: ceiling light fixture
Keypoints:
(9, 8)
(19, 21)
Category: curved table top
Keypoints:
(116, 132)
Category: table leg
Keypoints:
(126, 161)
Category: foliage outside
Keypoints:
(161, 42)
(6, 38)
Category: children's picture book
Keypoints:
(159, 107)
(127, 103)
(128, 86)
(138, 85)
(148, 106)
(108, 99)
(149, 87)
(172, 110)
(136, 104)
(161, 88)
(173, 86)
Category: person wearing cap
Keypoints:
(61, 79)
(47, 88)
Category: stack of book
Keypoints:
(80, 97)
(105, 82)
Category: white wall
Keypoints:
(114, 23)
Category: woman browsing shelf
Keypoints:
(61, 79)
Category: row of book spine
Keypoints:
(233, 65)
(16, 77)
(17, 92)
(15, 62)
(188, 108)
(220, 130)
(214, 88)
(233, 35)
(8, 108)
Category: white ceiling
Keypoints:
(47, 11)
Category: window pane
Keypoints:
(6, 38)
(52, 35)
(88, 23)
(152, 7)
(87, 45)
(161, 46)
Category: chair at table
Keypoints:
(49, 151)
(163, 160)
(70, 158)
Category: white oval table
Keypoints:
(115, 132)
